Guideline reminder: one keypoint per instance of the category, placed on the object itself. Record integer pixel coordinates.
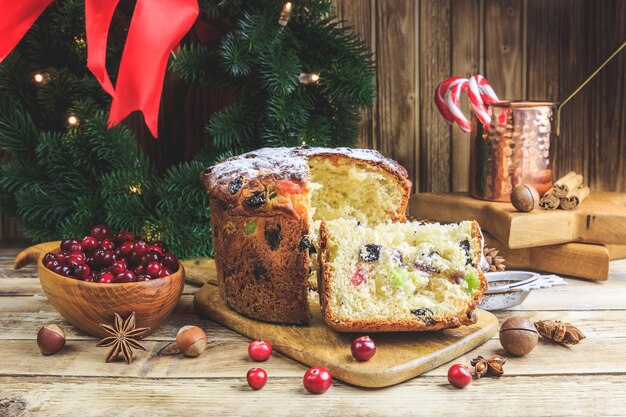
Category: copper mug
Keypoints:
(518, 147)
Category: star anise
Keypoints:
(563, 333)
(493, 365)
(123, 337)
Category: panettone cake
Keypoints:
(266, 207)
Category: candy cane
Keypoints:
(440, 101)
(452, 101)
(475, 96)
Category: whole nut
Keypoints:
(50, 339)
(518, 335)
(191, 341)
(525, 198)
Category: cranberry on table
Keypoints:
(170, 261)
(101, 231)
(363, 348)
(260, 350)
(317, 380)
(90, 243)
(459, 375)
(126, 276)
(106, 278)
(257, 378)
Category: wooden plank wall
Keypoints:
(528, 49)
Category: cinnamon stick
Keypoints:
(549, 201)
(567, 184)
(574, 199)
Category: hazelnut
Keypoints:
(50, 339)
(191, 341)
(525, 198)
(518, 335)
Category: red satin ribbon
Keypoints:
(156, 28)
(16, 17)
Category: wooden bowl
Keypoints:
(87, 304)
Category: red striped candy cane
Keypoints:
(476, 100)
(440, 100)
(452, 101)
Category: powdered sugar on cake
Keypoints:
(288, 162)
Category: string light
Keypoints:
(41, 78)
(306, 79)
(73, 120)
(285, 14)
(80, 41)
(135, 189)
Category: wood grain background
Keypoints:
(528, 49)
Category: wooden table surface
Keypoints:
(588, 379)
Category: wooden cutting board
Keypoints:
(400, 356)
(600, 219)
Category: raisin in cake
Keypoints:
(266, 207)
(406, 276)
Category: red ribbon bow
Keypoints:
(157, 26)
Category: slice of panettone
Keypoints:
(405, 276)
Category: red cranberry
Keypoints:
(93, 277)
(165, 272)
(160, 244)
(106, 278)
(49, 257)
(126, 276)
(155, 248)
(67, 244)
(76, 258)
(363, 348)
(62, 258)
(90, 243)
(136, 259)
(154, 269)
(107, 244)
(260, 350)
(459, 375)
(317, 380)
(82, 272)
(257, 378)
(101, 232)
(140, 247)
(126, 248)
(144, 277)
(63, 270)
(153, 255)
(117, 255)
(118, 267)
(140, 270)
(124, 236)
(103, 258)
(52, 264)
(170, 261)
